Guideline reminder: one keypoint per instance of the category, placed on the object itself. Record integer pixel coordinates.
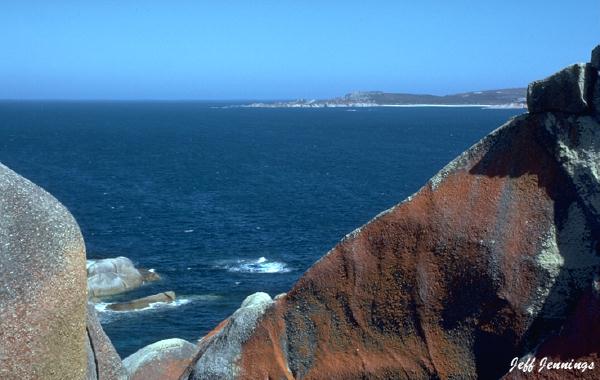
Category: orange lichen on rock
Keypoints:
(492, 259)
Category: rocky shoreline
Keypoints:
(496, 257)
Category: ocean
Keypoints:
(223, 202)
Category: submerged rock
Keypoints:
(42, 292)
(163, 360)
(142, 303)
(149, 275)
(494, 258)
(566, 91)
(108, 277)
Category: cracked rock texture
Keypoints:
(104, 362)
(495, 257)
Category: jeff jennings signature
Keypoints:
(532, 364)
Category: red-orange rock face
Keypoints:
(458, 280)
(494, 258)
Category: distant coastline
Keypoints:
(489, 106)
(514, 98)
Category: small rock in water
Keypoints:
(112, 276)
(144, 302)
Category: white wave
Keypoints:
(102, 307)
(107, 314)
(260, 265)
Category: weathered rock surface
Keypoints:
(494, 258)
(566, 91)
(144, 302)
(108, 277)
(221, 349)
(104, 362)
(42, 285)
(163, 360)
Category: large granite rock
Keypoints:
(42, 285)
(108, 277)
(144, 302)
(567, 91)
(163, 360)
(104, 363)
(496, 257)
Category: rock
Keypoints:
(574, 142)
(106, 361)
(577, 341)
(596, 64)
(492, 259)
(568, 91)
(596, 57)
(163, 360)
(42, 292)
(222, 348)
(112, 276)
(149, 275)
(144, 302)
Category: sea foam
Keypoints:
(260, 265)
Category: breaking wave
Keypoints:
(260, 265)
(107, 315)
(102, 307)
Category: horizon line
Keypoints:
(68, 99)
(232, 99)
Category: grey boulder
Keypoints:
(112, 276)
(568, 90)
(164, 360)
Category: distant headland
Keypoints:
(502, 98)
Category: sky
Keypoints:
(233, 50)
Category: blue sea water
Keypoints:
(224, 202)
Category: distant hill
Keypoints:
(508, 98)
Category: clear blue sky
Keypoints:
(284, 49)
